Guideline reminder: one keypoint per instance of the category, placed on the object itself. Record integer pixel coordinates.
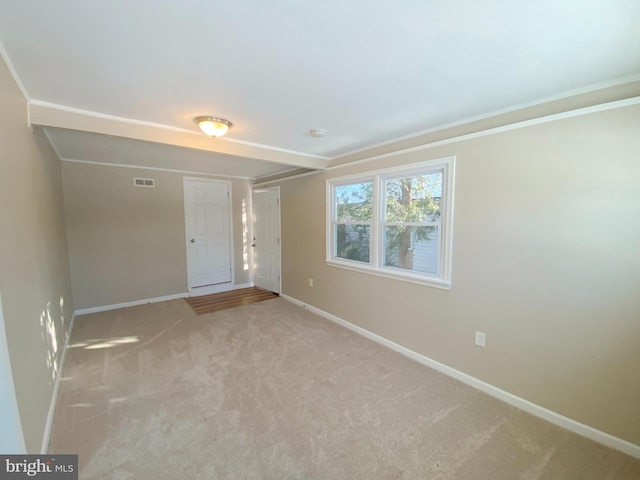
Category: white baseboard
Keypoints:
(221, 287)
(193, 292)
(46, 436)
(518, 402)
(104, 308)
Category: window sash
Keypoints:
(335, 222)
(336, 245)
(343, 222)
(412, 224)
(435, 265)
(336, 203)
(385, 181)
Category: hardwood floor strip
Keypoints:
(208, 299)
(225, 300)
(232, 294)
(248, 298)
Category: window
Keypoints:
(352, 224)
(395, 222)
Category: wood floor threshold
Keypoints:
(222, 301)
(242, 292)
(211, 301)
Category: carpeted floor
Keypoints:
(271, 391)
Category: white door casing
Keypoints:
(266, 238)
(208, 231)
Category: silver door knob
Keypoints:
(193, 240)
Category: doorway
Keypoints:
(207, 209)
(266, 239)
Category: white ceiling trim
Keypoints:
(627, 102)
(45, 114)
(504, 128)
(158, 169)
(511, 109)
(283, 172)
(277, 181)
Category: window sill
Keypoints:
(417, 279)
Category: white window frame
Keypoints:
(376, 255)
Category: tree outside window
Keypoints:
(412, 222)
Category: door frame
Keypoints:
(221, 287)
(277, 189)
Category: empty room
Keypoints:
(320, 240)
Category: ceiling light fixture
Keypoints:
(212, 126)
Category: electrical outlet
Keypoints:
(481, 339)
(311, 282)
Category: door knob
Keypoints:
(193, 240)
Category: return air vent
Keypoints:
(144, 182)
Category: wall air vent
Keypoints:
(144, 182)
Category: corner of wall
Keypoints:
(14, 74)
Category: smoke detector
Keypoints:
(317, 132)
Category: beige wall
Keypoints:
(34, 273)
(128, 243)
(545, 261)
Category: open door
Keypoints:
(266, 238)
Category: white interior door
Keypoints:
(208, 229)
(266, 239)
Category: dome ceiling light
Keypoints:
(213, 126)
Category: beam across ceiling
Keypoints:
(50, 115)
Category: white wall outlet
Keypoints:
(481, 339)
(311, 282)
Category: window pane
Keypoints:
(352, 242)
(414, 199)
(412, 248)
(354, 202)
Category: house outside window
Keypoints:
(394, 222)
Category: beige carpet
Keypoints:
(271, 391)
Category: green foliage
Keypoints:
(411, 199)
(353, 242)
(354, 202)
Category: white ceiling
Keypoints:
(366, 71)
